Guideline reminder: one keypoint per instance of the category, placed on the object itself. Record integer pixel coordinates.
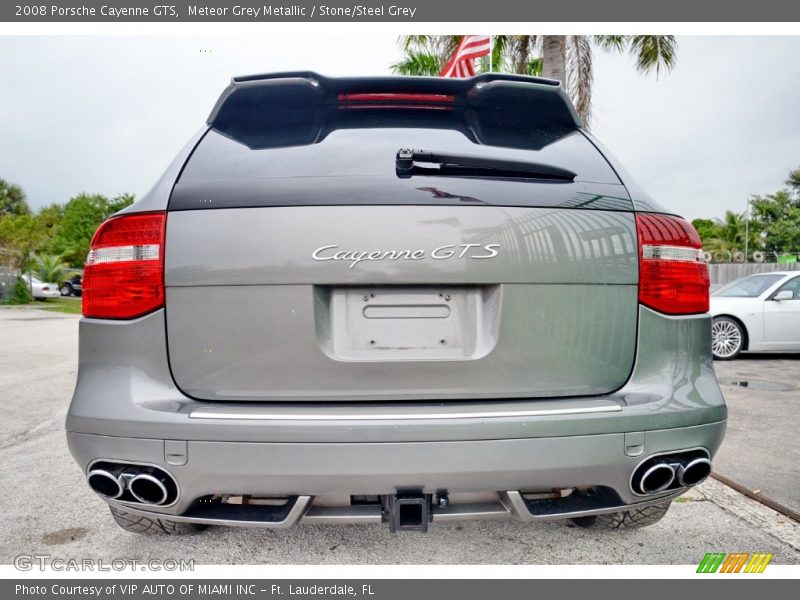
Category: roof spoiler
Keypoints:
(298, 108)
(488, 90)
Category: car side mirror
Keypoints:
(784, 295)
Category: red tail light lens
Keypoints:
(124, 273)
(673, 275)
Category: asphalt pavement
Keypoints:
(761, 450)
(48, 509)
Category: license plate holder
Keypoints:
(388, 323)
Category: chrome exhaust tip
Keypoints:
(694, 472)
(148, 488)
(105, 483)
(657, 478)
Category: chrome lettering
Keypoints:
(333, 252)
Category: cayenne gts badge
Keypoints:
(457, 251)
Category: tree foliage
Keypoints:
(794, 181)
(20, 294)
(50, 268)
(706, 228)
(773, 226)
(725, 237)
(12, 199)
(60, 234)
(20, 236)
(779, 216)
(82, 215)
(566, 58)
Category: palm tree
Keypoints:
(12, 199)
(567, 58)
(794, 180)
(50, 268)
(732, 230)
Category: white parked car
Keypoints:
(759, 313)
(41, 289)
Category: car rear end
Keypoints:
(391, 299)
(42, 290)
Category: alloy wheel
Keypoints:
(726, 338)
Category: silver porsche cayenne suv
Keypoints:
(397, 300)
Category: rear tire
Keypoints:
(627, 519)
(66, 289)
(150, 526)
(727, 338)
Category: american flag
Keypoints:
(470, 48)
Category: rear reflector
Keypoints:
(673, 275)
(124, 273)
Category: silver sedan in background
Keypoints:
(41, 290)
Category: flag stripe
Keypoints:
(461, 63)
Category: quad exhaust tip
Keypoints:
(694, 472)
(105, 483)
(148, 489)
(657, 478)
(145, 484)
(671, 471)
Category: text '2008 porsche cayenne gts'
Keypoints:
(398, 300)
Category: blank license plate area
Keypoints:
(407, 323)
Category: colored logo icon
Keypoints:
(739, 562)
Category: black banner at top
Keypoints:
(477, 11)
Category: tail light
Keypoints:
(673, 275)
(124, 273)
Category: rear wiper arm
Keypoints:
(454, 165)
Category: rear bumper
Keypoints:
(320, 471)
(127, 408)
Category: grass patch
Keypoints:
(67, 305)
(686, 499)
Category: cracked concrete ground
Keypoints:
(762, 449)
(47, 508)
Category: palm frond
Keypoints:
(408, 43)
(580, 75)
(611, 42)
(416, 64)
(534, 67)
(49, 268)
(520, 50)
(500, 45)
(654, 52)
(441, 47)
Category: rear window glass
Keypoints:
(371, 152)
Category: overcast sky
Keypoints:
(107, 114)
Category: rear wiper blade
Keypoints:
(455, 165)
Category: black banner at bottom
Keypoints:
(382, 589)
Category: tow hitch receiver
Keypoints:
(409, 512)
